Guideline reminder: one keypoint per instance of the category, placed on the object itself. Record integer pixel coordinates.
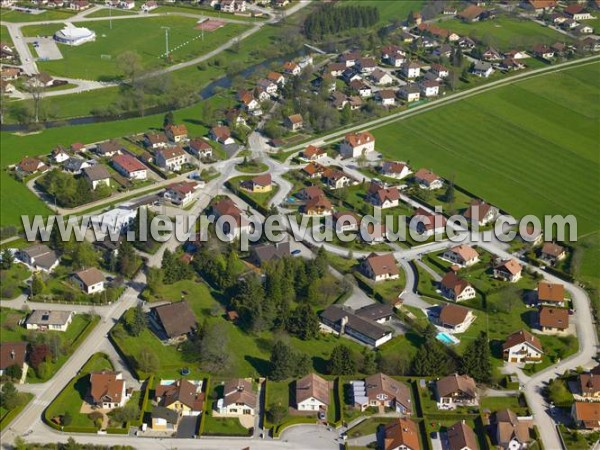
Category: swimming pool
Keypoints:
(446, 338)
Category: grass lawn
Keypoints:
(505, 33)
(144, 36)
(262, 198)
(368, 426)
(12, 281)
(516, 404)
(227, 426)
(114, 13)
(4, 35)
(8, 15)
(252, 167)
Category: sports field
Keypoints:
(98, 60)
(506, 33)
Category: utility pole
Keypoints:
(166, 41)
(110, 14)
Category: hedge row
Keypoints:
(205, 412)
(10, 415)
(248, 199)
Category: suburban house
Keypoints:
(310, 192)
(182, 396)
(387, 97)
(411, 69)
(312, 393)
(239, 398)
(395, 169)
(90, 281)
(357, 144)
(553, 320)
(482, 69)
(266, 252)
(366, 65)
(129, 167)
(381, 77)
(49, 320)
(551, 253)
(461, 436)
(13, 354)
(335, 179)
(344, 320)
(430, 88)
(176, 320)
(258, 184)
(509, 431)
(108, 149)
(221, 134)
(293, 122)
(381, 390)
(312, 153)
(377, 312)
(59, 154)
(317, 206)
(411, 92)
(200, 148)
(456, 390)
(401, 434)
(491, 54)
(361, 88)
(380, 267)
(291, 68)
(232, 6)
(543, 51)
(440, 71)
(577, 11)
(588, 385)
(427, 223)
(471, 13)
(586, 415)
(508, 270)
(249, 103)
(455, 288)
(181, 193)
(481, 213)
(428, 180)
(522, 346)
(172, 158)
(313, 170)
(97, 175)
(276, 77)
(156, 140)
(383, 197)
(344, 221)
(550, 293)
(76, 165)
(29, 166)
(267, 86)
(462, 255)
(108, 389)
(39, 257)
(454, 318)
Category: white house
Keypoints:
(380, 267)
(357, 144)
(97, 175)
(455, 288)
(108, 389)
(411, 69)
(238, 399)
(395, 169)
(49, 320)
(462, 255)
(90, 281)
(312, 393)
(181, 193)
(522, 346)
(130, 167)
(430, 88)
(482, 69)
(39, 257)
(171, 158)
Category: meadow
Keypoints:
(98, 60)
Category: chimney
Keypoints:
(12, 354)
(344, 321)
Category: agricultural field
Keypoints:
(99, 60)
(505, 33)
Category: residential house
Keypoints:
(343, 320)
(381, 77)
(108, 149)
(357, 144)
(550, 293)
(49, 320)
(90, 281)
(335, 179)
(291, 68)
(318, 206)
(235, 118)
(181, 193)
(363, 89)
(443, 51)
(511, 64)
(427, 223)
(97, 175)
(40, 80)
(428, 180)
(395, 169)
(130, 167)
(377, 312)
(312, 393)
(310, 192)
(149, 6)
(430, 88)
(171, 158)
(76, 165)
(276, 78)
(335, 69)
(471, 13)
(156, 140)
(249, 103)
(509, 431)
(233, 6)
(200, 148)
(553, 320)
(584, 29)
(481, 213)
(454, 318)
(491, 54)
(355, 102)
(79, 5)
(410, 92)
(108, 389)
(59, 154)
(411, 69)
(577, 11)
(366, 65)
(380, 267)
(239, 398)
(456, 390)
(351, 74)
(482, 69)
(313, 153)
(552, 253)
(543, 51)
(383, 197)
(373, 233)
(293, 122)
(339, 100)
(176, 133)
(508, 270)
(466, 43)
(386, 97)
(531, 235)
(235, 222)
(221, 134)
(267, 252)
(176, 320)
(381, 390)
(462, 255)
(30, 166)
(586, 415)
(39, 257)
(10, 73)
(440, 71)
(393, 55)
(13, 354)
(455, 288)
(521, 347)
(461, 436)
(401, 434)
(183, 397)
(349, 58)
(345, 221)
(259, 184)
(268, 86)
(588, 385)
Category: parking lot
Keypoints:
(46, 48)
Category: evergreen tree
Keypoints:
(169, 119)
(341, 361)
(476, 361)
(304, 323)
(9, 396)
(37, 285)
(282, 361)
(369, 365)
(135, 320)
(7, 259)
(432, 359)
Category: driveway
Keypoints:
(188, 427)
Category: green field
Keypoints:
(8, 15)
(4, 36)
(98, 60)
(389, 10)
(506, 33)
(114, 13)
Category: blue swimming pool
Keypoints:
(447, 339)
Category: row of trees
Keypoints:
(70, 191)
(330, 19)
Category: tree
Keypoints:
(138, 321)
(449, 196)
(282, 361)
(213, 348)
(37, 285)
(39, 353)
(169, 119)
(9, 396)
(129, 412)
(130, 64)
(276, 413)
(7, 259)
(67, 419)
(304, 323)
(431, 359)
(476, 360)
(14, 372)
(341, 361)
(84, 256)
(148, 361)
(154, 279)
(369, 364)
